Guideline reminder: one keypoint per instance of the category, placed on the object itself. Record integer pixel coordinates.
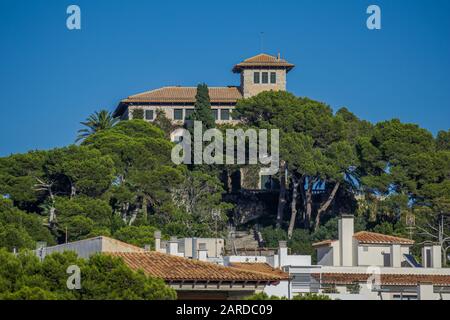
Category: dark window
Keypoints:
(189, 113)
(273, 77)
(225, 114)
(387, 260)
(427, 263)
(149, 114)
(256, 77)
(178, 114)
(265, 77)
(215, 114)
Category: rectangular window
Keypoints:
(387, 260)
(178, 114)
(188, 114)
(256, 77)
(427, 263)
(273, 77)
(149, 114)
(225, 114)
(215, 114)
(265, 77)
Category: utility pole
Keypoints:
(216, 214)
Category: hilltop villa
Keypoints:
(259, 73)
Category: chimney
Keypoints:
(202, 252)
(282, 254)
(431, 257)
(157, 241)
(279, 56)
(194, 248)
(346, 230)
(172, 246)
(396, 256)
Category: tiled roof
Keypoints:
(260, 267)
(186, 94)
(172, 268)
(323, 243)
(378, 238)
(263, 60)
(386, 279)
(365, 237)
(116, 245)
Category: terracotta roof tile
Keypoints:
(365, 237)
(323, 243)
(378, 238)
(186, 94)
(386, 279)
(260, 267)
(119, 245)
(263, 60)
(172, 268)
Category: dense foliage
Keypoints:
(337, 163)
(24, 277)
(121, 182)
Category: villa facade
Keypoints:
(260, 73)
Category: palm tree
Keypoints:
(96, 122)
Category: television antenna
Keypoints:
(216, 215)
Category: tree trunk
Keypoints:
(308, 201)
(52, 216)
(133, 216)
(444, 250)
(295, 184)
(144, 208)
(326, 205)
(282, 196)
(73, 191)
(229, 181)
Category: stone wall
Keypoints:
(250, 89)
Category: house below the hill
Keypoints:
(192, 278)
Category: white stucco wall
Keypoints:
(280, 290)
(325, 256)
(374, 256)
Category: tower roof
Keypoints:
(263, 60)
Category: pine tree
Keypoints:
(202, 109)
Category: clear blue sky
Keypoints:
(52, 78)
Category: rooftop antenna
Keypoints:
(262, 41)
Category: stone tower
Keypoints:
(262, 73)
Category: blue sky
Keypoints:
(52, 78)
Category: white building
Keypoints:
(370, 266)
(356, 266)
(206, 249)
(279, 263)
